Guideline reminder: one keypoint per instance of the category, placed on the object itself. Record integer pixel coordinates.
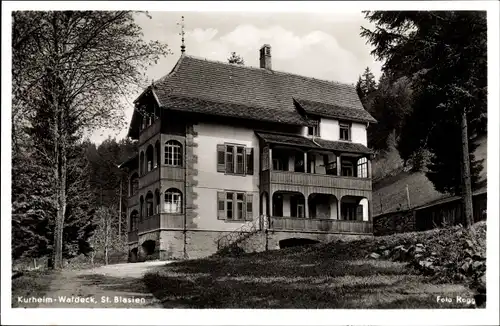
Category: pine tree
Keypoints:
(444, 55)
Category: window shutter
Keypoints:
(221, 205)
(359, 213)
(221, 158)
(249, 207)
(249, 160)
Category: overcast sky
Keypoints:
(326, 46)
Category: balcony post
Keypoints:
(306, 206)
(369, 168)
(338, 165)
(339, 217)
(270, 158)
(305, 162)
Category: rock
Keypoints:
(425, 263)
(419, 250)
(419, 245)
(398, 247)
(381, 248)
(433, 253)
(469, 244)
(374, 255)
(386, 253)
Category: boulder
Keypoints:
(374, 255)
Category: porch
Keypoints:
(316, 212)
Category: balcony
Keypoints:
(133, 200)
(320, 225)
(319, 180)
(150, 131)
(161, 221)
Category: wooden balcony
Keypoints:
(173, 173)
(149, 131)
(320, 225)
(161, 221)
(133, 236)
(149, 178)
(319, 180)
(133, 200)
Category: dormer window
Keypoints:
(313, 131)
(345, 131)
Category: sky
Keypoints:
(320, 45)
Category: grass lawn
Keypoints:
(34, 283)
(307, 277)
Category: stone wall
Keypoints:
(395, 222)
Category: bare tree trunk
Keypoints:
(106, 240)
(466, 178)
(120, 211)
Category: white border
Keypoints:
(258, 317)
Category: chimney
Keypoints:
(265, 56)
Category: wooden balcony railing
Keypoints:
(149, 131)
(320, 180)
(322, 225)
(133, 200)
(161, 221)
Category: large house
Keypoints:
(230, 154)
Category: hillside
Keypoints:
(389, 193)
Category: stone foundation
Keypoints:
(171, 244)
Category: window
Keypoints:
(277, 165)
(230, 159)
(149, 204)
(173, 201)
(173, 153)
(142, 167)
(363, 168)
(234, 206)
(347, 169)
(349, 211)
(234, 159)
(149, 158)
(134, 184)
(345, 131)
(313, 131)
(229, 205)
(134, 219)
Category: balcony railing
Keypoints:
(150, 131)
(321, 225)
(161, 221)
(320, 180)
(133, 200)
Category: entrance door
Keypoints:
(278, 205)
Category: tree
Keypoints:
(444, 55)
(236, 59)
(366, 85)
(71, 69)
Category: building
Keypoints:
(234, 154)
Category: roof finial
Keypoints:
(183, 47)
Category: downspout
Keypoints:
(185, 191)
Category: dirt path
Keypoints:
(112, 286)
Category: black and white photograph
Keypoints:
(232, 163)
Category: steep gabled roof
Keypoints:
(263, 94)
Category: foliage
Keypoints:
(70, 72)
(365, 86)
(236, 59)
(444, 56)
